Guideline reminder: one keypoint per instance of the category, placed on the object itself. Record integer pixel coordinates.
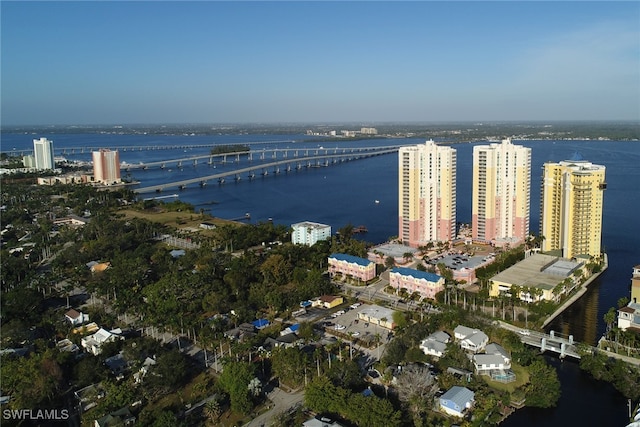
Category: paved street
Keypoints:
(282, 401)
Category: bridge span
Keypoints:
(294, 163)
(261, 155)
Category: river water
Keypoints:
(346, 193)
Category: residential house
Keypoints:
(629, 317)
(244, 330)
(457, 401)
(146, 366)
(470, 339)
(117, 364)
(93, 343)
(350, 266)
(121, 417)
(67, 345)
(435, 344)
(321, 421)
(76, 317)
(424, 283)
(494, 358)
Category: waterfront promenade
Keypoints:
(575, 297)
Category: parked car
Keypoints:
(339, 327)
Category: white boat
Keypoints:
(377, 201)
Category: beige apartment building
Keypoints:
(427, 194)
(501, 197)
(106, 166)
(571, 207)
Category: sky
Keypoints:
(284, 62)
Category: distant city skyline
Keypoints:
(293, 62)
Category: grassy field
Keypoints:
(177, 219)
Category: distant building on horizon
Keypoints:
(106, 166)
(309, 233)
(43, 154)
(501, 193)
(571, 207)
(427, 194)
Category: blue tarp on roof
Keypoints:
(260, 323)
(352, 259)
(295, 327)
(431, 277)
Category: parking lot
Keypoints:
(460, 261)
(347, 326)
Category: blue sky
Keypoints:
(221, 62)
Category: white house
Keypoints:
(495, 358)
(470, 339)
(629, 317)
(435, 344)
(93, 343)
(76, 317)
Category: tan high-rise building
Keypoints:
(106, 166)
(427, 194)
(571, 207)
(501, 193)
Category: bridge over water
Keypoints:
(262, 155)
(317, 158)
(89, 148)
(554, 343)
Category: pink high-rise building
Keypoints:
(427, 194)
(501, 192)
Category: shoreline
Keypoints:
(583, 289)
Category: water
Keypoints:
(346, 193)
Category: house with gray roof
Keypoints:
(435, 344)
(457, 401)
(470, 339)
(495, 362)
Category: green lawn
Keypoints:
(522, 377)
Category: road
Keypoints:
(281, 401)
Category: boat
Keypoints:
(360, 229)
(377, 201)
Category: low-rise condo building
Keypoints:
(308, 233)
(424, 283)
(351, 267)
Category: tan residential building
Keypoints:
(427, 194)
(501, 193)
(106, 166)
(571, 207)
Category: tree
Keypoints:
(234, 380)
(416, 389)
(543, 390)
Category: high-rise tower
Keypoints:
(571, 207)
(43, 154)
(501, 193)
(106, 166)
(427, 194)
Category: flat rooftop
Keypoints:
(540, 271)
(394, 250)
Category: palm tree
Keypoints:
(213, 410)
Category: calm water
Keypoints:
(346, 193)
